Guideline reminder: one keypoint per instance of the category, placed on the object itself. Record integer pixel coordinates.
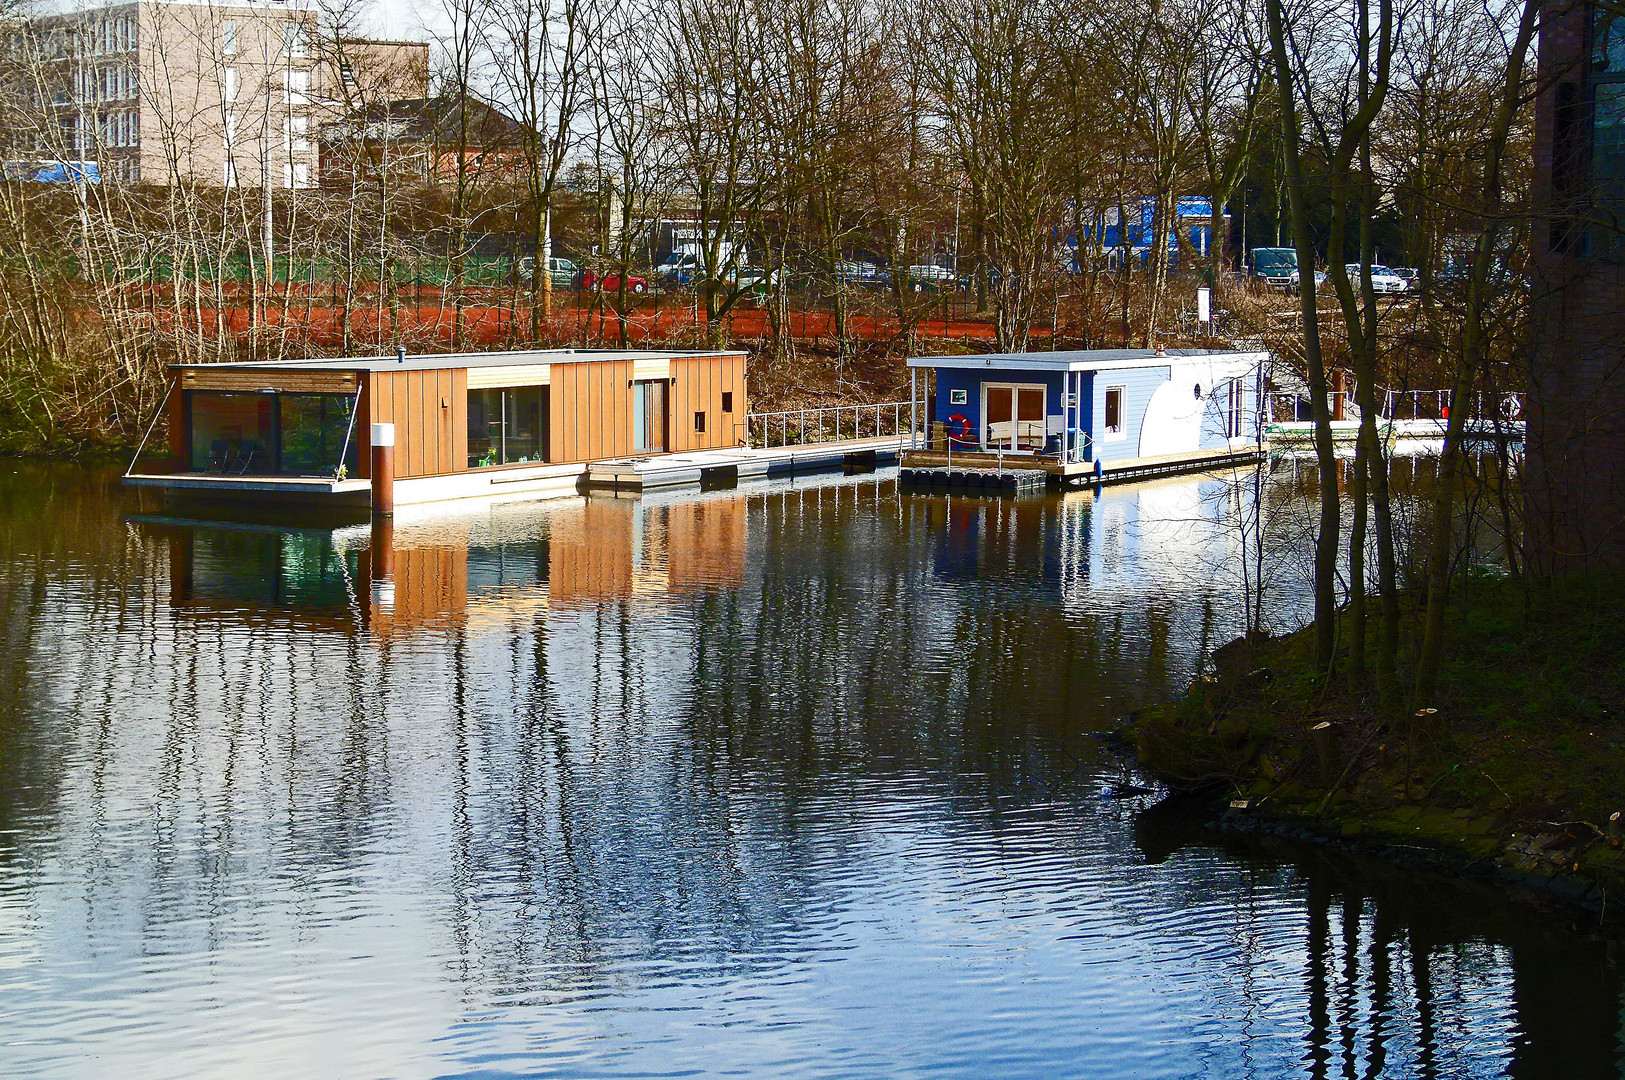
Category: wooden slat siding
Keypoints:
(429, 383)
(457, 417)
(434, 389)
(620, 396)
(555, 416)
(491, 378)
(574, 422)
(292, 382)
(682, 417)
(175, 416)
(599, 410)
(413, 415)
(363, 429)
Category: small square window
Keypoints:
(727, 401)
(699, 423)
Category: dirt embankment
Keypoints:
(1518, 777)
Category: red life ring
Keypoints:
(964, 427)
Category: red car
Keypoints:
(590, 279)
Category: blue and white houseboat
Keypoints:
(1087, 415)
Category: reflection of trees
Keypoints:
(1400, 974)
(663, 781)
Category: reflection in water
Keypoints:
(794, 781)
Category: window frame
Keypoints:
(1108, 432)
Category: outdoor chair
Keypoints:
(219, 453)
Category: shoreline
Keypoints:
(1517, 781)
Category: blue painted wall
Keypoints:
(1138, 385)
(971, 380)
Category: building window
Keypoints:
(230, 176)
(1114, 410)
(271, 434)
(228, 38)
(296, 87)
(231, 130)
(296, 176)
(728, 401)
(699, 423)
(228, 82)
(293, 39)
(296, 136)
(507, 426)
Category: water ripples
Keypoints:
(797, 783)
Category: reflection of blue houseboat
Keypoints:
(1107, 414)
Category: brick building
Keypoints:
(1576, 409)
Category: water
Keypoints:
(799, 781)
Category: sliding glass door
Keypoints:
(649, 416)
(507, 427)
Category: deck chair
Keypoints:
(219, 454)
(245, 456)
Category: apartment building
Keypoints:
(229, 92)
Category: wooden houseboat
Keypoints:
(1087, 415)
(454, 425)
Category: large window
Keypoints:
(267, 434)
(232, 432)
(507, 427)
(314, 430)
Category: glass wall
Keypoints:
(313, 429)
(267, 434)
(232, 432)
(507, 426)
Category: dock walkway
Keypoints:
(707, 467)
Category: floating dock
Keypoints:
(1083, 473)
(716, 468)
(980, 481)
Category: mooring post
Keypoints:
(383, 470)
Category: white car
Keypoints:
(1383, 280)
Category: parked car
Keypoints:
(1383, 280)
(930, 276)
(562, 271)
(861, 273)
(680, 269)
(1412, 276)
(751, 278)
(590, 279)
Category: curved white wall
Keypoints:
(1173, 419)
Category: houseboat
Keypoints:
(1086, 415)
(393, 430)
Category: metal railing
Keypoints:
(1287, 407)
(833, 423)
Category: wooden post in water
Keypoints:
(383, 470)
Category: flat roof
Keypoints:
(435, 361)
(1078, 359)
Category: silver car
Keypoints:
(1383, 280)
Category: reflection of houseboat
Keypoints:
(1093, 414)
(395, 578)
(463, 424)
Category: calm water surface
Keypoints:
(795, 781)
